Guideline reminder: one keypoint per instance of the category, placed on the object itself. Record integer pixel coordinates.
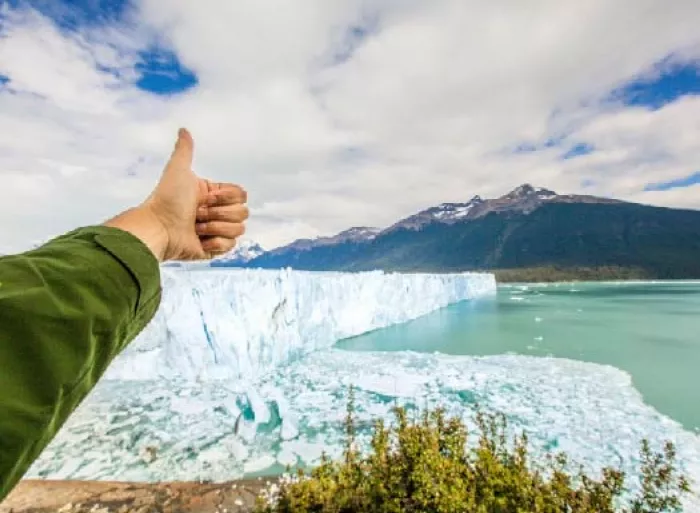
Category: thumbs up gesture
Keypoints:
(187, 217)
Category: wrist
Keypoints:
(146, 226)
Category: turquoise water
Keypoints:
(650, 330)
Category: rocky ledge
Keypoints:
(37, 496)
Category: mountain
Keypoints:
(311, 253)
(523, 199)
(353, 235)
(244, 251)
(527, 229)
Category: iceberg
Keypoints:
(241, 324)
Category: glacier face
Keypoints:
(240, 324)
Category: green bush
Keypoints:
(425, 465)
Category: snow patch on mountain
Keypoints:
(244, 251)
(522, 199)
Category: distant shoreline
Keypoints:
(577, 274)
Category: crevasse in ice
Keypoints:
(219, 324)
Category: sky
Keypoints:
(342, 113)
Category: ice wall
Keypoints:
(218, 324)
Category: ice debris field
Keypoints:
(237, 376)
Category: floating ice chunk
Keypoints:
(289, 428)
(259, 464)
(261, 413)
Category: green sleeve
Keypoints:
(66, 310)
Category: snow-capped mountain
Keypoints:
(444, 213)
(523, 199)
(529, 227)
(244, 251)
(355, 234)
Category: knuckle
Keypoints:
(215, 213)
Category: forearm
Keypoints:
(66, 310)
(143, 224)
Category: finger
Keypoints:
(222, 186)
(220, 229)
(182, 155)
(227, 194)
(231, 213)
(217, 245)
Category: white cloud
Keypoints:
(423, 110)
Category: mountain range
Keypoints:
(528, 233)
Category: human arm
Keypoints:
(66, 310)
(69, 307)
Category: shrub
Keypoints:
(424, 464)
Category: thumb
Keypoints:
(181, 158)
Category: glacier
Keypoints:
(242, 323)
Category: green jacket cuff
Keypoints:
(133, 254)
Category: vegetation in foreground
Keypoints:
(426, 465)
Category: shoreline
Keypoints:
(71, 496)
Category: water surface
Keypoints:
(650, 330)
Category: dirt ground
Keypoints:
(38, 496)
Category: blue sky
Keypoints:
(685, 181)
(664, 84)
(158, 67)
(661, 84)
(162, 73)
(344, 113)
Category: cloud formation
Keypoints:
(343, 113)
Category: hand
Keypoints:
(186, 217)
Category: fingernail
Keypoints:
(202, 211)
(199, 226)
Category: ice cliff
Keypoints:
(219, 324)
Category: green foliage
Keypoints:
(425, 464)
(559, 274)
